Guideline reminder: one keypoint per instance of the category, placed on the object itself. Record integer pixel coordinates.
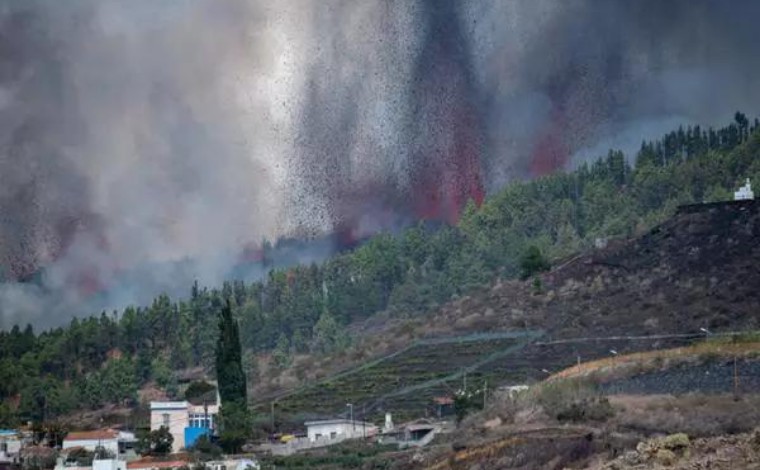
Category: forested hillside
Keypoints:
(105, 359)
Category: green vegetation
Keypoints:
(235, 422)
(533, 262)
(158, 442)
(98, 360)
(573, 401)
(406, 382)
(349, 455)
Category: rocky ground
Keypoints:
(677, 451)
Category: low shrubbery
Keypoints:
(573, 401)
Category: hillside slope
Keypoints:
(696, 270)
(700, 269)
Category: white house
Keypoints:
(97, 464)
(10, 446)
(115, 442)
(338, 429)
(185, 421)
(745, 192)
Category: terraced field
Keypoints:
(403, 381)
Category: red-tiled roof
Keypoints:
(92, 435)
(138, 464)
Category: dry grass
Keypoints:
(652, 360)
(697, 415)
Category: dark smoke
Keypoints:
(145, 144)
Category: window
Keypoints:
(165, 419)
(3, 447)
(317, 436)
(333, 435)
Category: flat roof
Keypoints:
(92, 435)
(169, 405)
(337, 421)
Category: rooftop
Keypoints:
(169, 405)
(92, 435)
(156, 464)
(336, 421)
(170, 461)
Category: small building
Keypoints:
(186, 422)
(117, 443)
(338, 429)
(11, 443)
(97, 464)
(444, 406)
(413, 434)
(745, 192)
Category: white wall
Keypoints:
(341, 430)
(178, 421)
(109, 464)
(12, 448)
(111, 445)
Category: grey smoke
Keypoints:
(145, 144)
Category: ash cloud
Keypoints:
(146, 144)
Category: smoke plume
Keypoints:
(146, 144)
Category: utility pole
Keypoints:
(272, 406)
(736, 379)
(351, 418)
(485, 393)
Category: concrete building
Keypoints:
(118, 443)
(338, 429)
(186, 422)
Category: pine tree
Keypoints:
(281, 355)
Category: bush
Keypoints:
(573, 401)
(533, 262)
(200, 390)
(207, 449)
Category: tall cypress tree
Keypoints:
(234, 417)
(229, 359)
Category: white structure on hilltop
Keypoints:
(745, 192)
(388, 426)
(118, 443)
(338, 429)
